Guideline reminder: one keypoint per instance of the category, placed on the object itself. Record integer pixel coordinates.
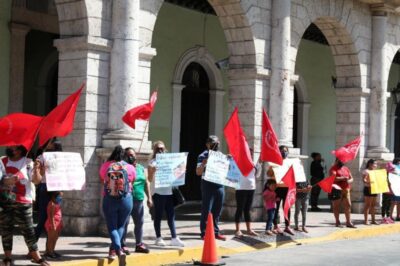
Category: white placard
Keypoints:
(64, 171)
(394, 181)
(171, 169)
(281, 170)
(217, 168)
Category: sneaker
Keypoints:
(390, 220)
(141, 248)
(289, 231)
(160, 242)
(220, 237)
(126, 250)
(385, 221)
(121, 253)
(112, 254)
(176, 242)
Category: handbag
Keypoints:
(177, 197)
(335, 194)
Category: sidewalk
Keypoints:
(89, 251)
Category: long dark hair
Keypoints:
(268, 183)
(396, 161)
(118, 154)
(370, 161)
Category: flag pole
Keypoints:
(144, 133)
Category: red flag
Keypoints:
(60, 121)
(141, 112)
(290, 181)
(349, 151)
(269, 142)
(326, 184)
(19, 129)
(237, 144)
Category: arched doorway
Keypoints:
(397, 132)
(315, 95)
(194, 123)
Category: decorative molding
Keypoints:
(147, 53)
(249, 73)
(83, 43)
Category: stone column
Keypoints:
(303, 110)
(17, 67)
(85, 59)
(281, 91)
(379, 79)
(216, 112)
(123, 72)
(176, 116)
(247, 91)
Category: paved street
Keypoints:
(366, 252)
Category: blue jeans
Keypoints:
(212, 199)
(116, 212)
(43, 201)
(161, 203)
(271, 215)
(138, 219)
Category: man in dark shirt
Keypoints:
(317, 174)
(212, 194)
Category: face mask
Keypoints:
(215, 147)
(284, 154)
(131, 159)
(58, 199)
(9, 153)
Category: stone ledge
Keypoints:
(248, 73)
(361, 92)
(83, 43)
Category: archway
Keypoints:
(315, 67)
(194, 124)
(393, 125)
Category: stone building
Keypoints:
(326, 71)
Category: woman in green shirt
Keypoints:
(141, 186)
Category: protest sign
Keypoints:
(281, 170)
(217, 169)
(394, 181)
(171, 169)
(378, 179)
(64, 171)
(234, 175)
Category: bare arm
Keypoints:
(148, 191)
(201, 167)
(37, 172)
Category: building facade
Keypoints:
(325, 70)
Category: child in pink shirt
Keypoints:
(270, 199)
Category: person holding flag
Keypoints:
(281, 192)
(343, 180)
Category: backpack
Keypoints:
(116, 182)
(7, 193)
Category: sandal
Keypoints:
(7, 261)
(350, 225)
(41, 262)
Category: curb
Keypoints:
(188, 254)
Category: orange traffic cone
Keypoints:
(210, 256)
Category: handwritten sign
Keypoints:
(171, 169)
(221, 171)
(394, 181)
(378, 179)
(64, 171)
(281, 170)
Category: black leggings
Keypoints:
(244, 200)
(281, 193)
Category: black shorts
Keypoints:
(367, 192)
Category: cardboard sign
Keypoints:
(217, 169)
(171, 169)
(378, 179)
(281, 170)
(394, 181)
(64, 171)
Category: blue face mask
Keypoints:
(58, 199)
